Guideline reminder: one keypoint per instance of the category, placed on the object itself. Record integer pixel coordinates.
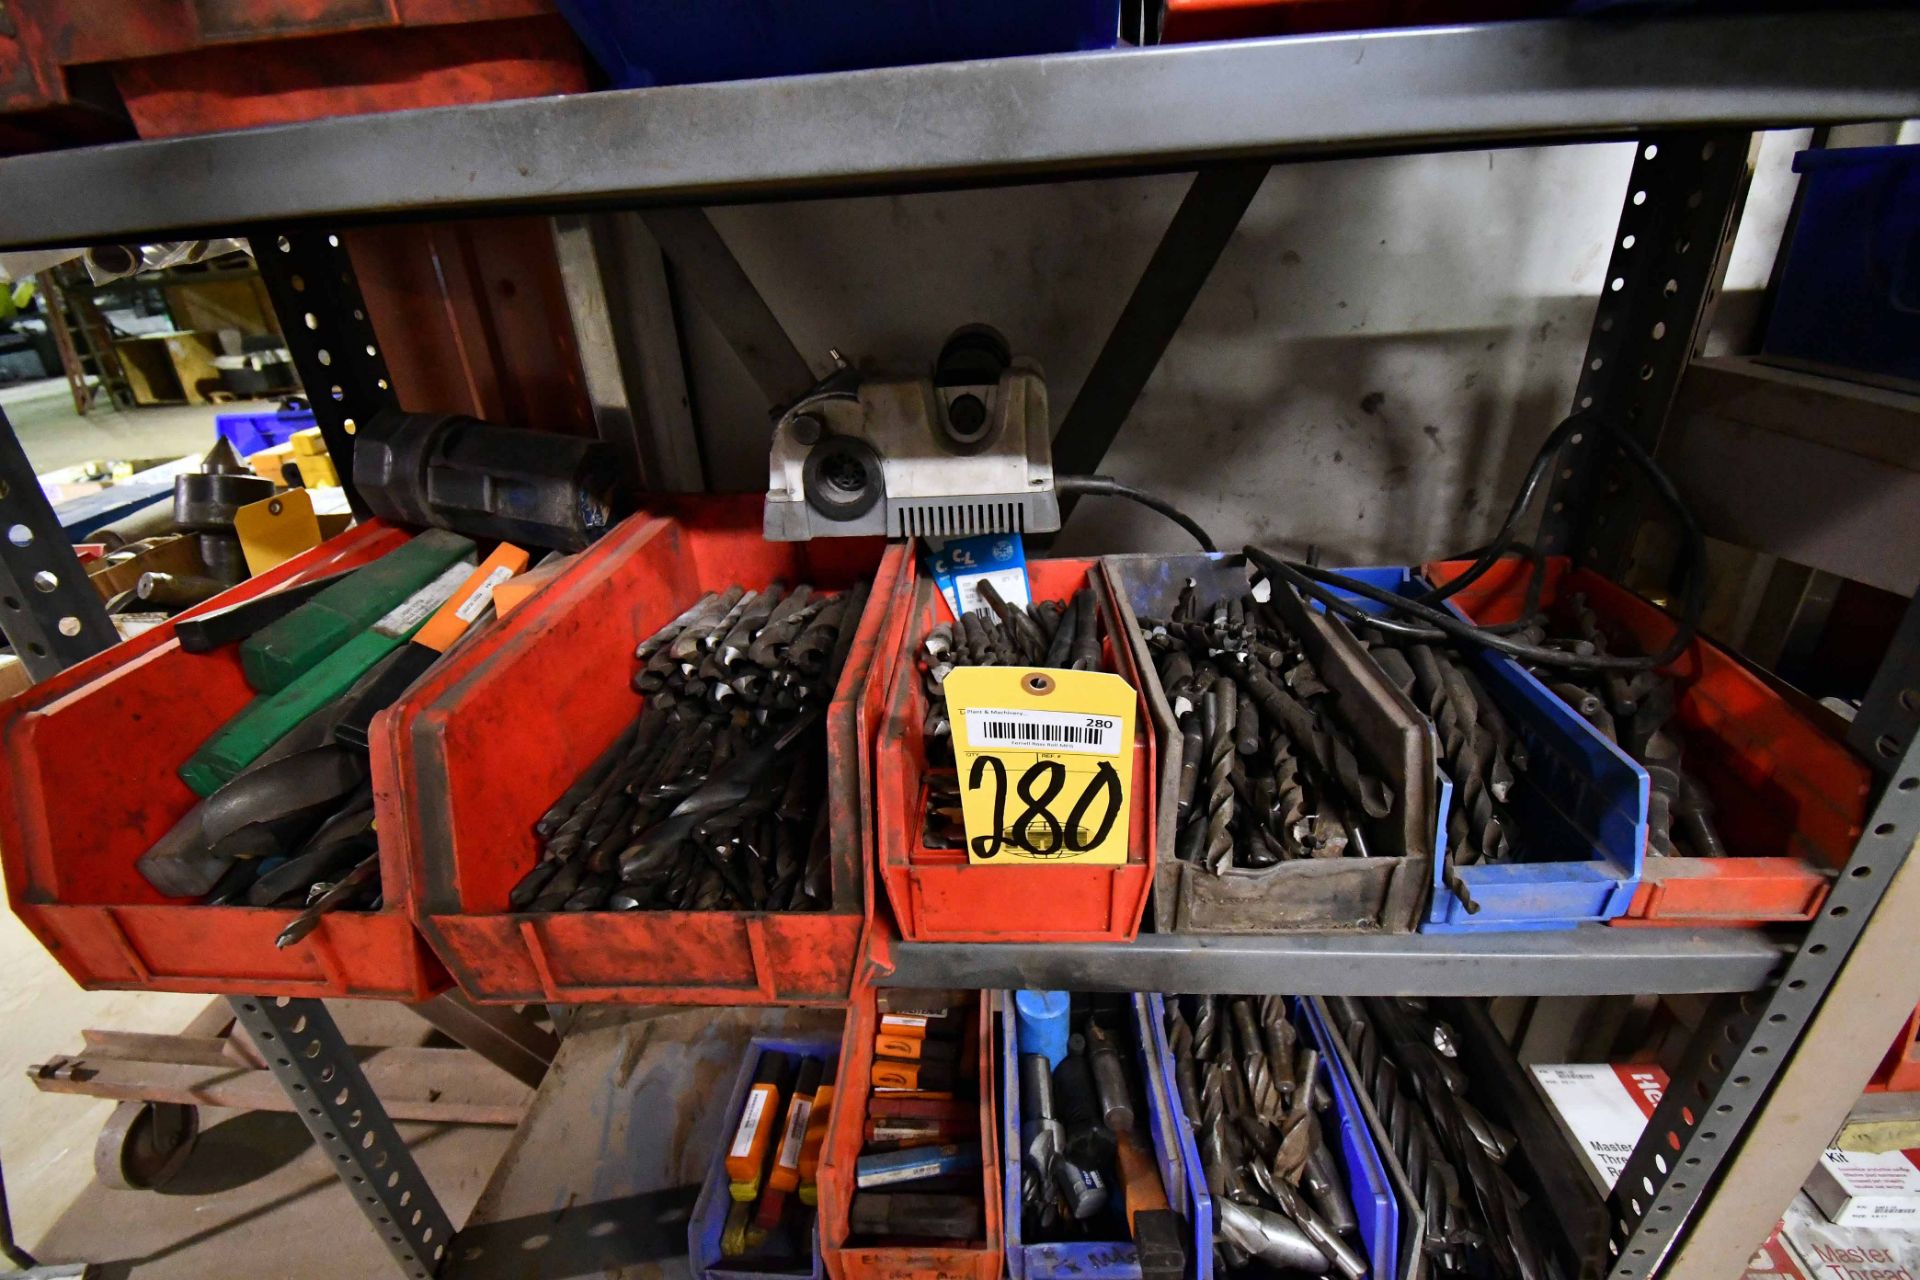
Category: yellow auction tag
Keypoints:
(1046, 763)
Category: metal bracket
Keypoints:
(310, 1058)
(51, 614)
(1733, 1060)
(1669, 256)
(1196, 237)
(309, 278)
(1883, 729)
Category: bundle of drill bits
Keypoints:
(999, 634)
(1479, 749)
(1453, 1155)
(1631, 710)
(1264, 1116)
(1268, 773)
(714, 799)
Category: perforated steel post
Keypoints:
(309, 277)
(1677, 221)
(311, 1060)
(1739, 1050)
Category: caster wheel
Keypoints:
(144, 1144)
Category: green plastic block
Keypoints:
(278, 654)
(269, 717)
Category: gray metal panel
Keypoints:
(1589, 961)
(1405, 90)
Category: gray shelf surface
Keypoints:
(1592, 960)
(974, 122)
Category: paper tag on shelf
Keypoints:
(1046, 763)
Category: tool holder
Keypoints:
(92, 759)
(1383, 892)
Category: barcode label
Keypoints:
(990, 727)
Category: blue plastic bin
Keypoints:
(1375, 1207)
(641, 44)
(1581, 805)
(252, 432)
(1849, 291)
(1173, 1151)
(709, 1218)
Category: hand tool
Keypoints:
(786, 1160)
(225, 626)
(1109, 1079)
(1271, 1237)
(1159, 1233)
(916, 1216)
(268, 717)
(331, 898)
(753, 1135)
(279, 652)
(915, 1163)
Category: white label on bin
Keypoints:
(789, 1156)
(750, 1117)
(1019, 728)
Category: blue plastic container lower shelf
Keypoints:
(709, 1218)
(1173, 1151)
(1580, 805)
(1358, 1153)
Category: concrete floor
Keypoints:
(55, 436)
(256, 1197)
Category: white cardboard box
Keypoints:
(1602, 1108)
(1829, 1252)
(1868, 1189)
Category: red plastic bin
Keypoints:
(502, 727)
(846, 1135)
(91, 760)
(1789, 800)
(935, 894)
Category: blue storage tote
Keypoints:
(641, 44)
(709, 1218)
(252, 432)
(1581, 803)
(1174, 1153)
(1376, 1208)
(1849, 291)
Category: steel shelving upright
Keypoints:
(1689, 92)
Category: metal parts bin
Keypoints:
(709, 1218)
(1381, 892)
(1173, 1150)
(1789, 799)
(935, 894)
(91, 782)
(1581, 805)
(954, 1260)
(507, 722)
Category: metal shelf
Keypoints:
(894, 128)
(1595, 960)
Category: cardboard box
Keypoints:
(308, 443)
(1829, 1252)
(1602, 1108)
(1868, 1189)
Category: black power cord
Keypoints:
(1108, 487)
(1689, 573)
